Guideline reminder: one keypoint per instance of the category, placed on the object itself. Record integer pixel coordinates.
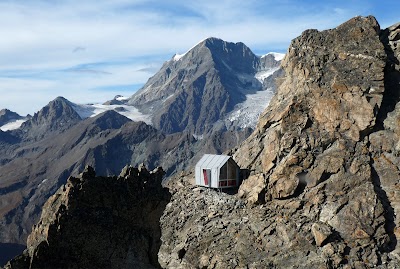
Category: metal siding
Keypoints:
(214, 178)
(198, 175)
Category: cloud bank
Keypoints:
(89, 51)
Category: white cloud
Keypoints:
(104, 43)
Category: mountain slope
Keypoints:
(107, 142)
(35, 170)
(193, 91)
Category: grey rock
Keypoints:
(6, 116)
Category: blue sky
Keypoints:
(91, 50)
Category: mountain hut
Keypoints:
(217, 171)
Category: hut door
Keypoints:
(207, 177)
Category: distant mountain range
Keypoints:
(205, 101)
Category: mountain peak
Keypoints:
(7, 115)
(58, 115)
(218, 72)
(110, 119)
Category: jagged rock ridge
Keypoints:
(56, 117)
(99, 222)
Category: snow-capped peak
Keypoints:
(177, 56)
(278, 56)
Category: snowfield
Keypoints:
(131, 112)
(260, 76)
(12, 125)
(246, 114)
(278, 56)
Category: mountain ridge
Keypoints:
(323, 167)
(63, 137)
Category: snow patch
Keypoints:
(278, 56)
(41, 183)
(198, 137)
(131, 112)
(260, 76)
(122, 98)
(177, 56)
(12, 125)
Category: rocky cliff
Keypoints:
(324, 168)
(99, 222)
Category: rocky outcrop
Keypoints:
(324, 167)
(99, 222)
(7, 116)
(205, 228)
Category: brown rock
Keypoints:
(321, 232)
(252, 189)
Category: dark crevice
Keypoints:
(346, 253)
(391, 82)
(333, 237)
(325, 176)
(181, 253)
(13, 187)
(389, 214)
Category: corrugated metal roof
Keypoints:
(210, 161)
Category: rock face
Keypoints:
(99, 222)
(324, 168)
(204, 228)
